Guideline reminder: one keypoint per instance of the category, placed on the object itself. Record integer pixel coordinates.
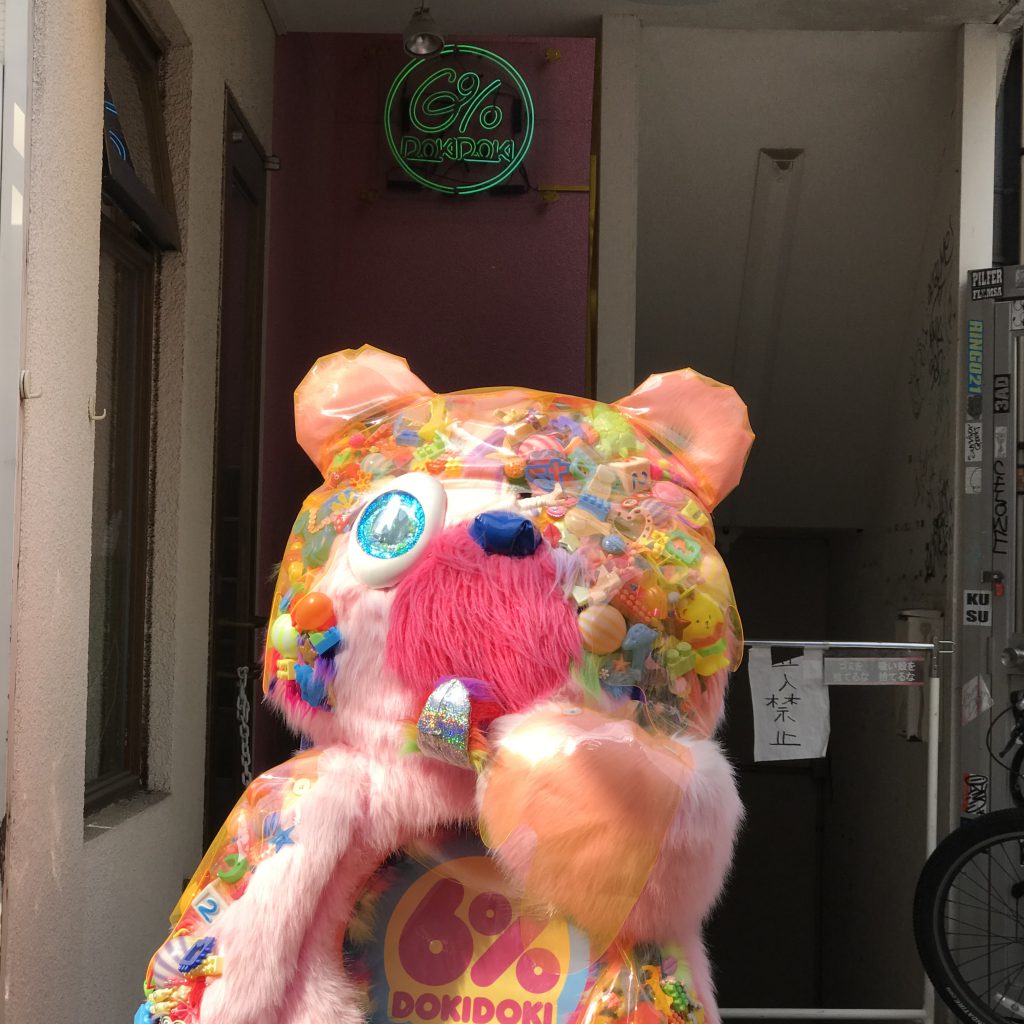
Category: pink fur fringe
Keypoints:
(521, 640)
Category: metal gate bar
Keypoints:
(927, 1011)
(812, 1014)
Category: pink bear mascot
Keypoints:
(503, 630)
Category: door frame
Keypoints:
(16, 96)
(248, 163)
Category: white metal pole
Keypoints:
(809, 1013)
(932, 811)
(932, 820)
(853, 645)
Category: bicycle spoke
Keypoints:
(982, 884)
(985, 895)
(980, 956)
(1020, 987)
(977, 932)
(986, 890)
(987, 908)
(1011, 873)
(991, 946)
(992, 988)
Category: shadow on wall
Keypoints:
(820, 895)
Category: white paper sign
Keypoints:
(975, 699)
(791, 709)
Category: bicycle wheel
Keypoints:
(1017, 778)
(969, 919)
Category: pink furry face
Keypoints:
(463, 612)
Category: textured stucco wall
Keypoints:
(43, 912)
(84, 907)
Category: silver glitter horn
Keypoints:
(443, 727)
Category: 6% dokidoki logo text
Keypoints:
(460, 122)
(462, 952)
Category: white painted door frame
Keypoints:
(14, 140)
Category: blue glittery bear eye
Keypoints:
(394, 528)
(391, 525)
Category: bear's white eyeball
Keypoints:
(394, 527)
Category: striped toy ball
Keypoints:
(536, 443)
(663, 516)
(170, 954)
(602, 628)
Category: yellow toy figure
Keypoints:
(705, 632)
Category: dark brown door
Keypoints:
(235, 648)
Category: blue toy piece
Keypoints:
(505, 533)
(196, 954)
(639, 642)
(311, 689)
(326, 642)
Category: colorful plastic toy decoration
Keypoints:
(503, 626)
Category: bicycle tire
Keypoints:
(940, 873)
(1016, 779)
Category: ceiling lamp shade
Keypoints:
(422, 38)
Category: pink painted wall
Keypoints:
(473, 291)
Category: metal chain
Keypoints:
(242, 711)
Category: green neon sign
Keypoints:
(449, 120)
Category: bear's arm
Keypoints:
(260, 935)
(621, 831)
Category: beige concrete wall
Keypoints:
(802, 304)
(84, 906)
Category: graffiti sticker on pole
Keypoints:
(973, 445)
(1001, 392)
(987, 284)
(977, 607)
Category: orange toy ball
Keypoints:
(313, 612)
(602, 628)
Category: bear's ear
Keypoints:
(347, 387)
(702, 422)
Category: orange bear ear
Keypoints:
(347, 387)
(703, 423)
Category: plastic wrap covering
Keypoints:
(259, 826)
(625, 487)
(644, 985)
(564, 790)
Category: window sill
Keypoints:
(114, 814)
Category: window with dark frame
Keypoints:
(137, 224)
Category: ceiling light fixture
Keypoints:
(421, 37)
